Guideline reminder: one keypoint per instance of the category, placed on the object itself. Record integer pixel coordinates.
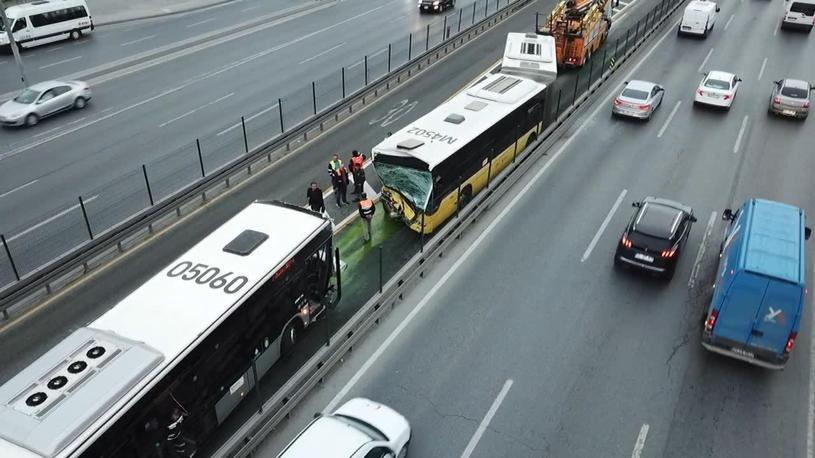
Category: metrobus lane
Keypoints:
(593, 354)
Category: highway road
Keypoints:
(153, 112)
(525, 341)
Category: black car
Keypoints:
(654, 237)
(436, 6)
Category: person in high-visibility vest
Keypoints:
(366, 212)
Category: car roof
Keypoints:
(657, 219)
(669, 203)
(41, 86)
(719, 75)
(326, 437)
(640, 85)
(798, 84)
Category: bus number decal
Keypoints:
(203, 274)
(432, 135)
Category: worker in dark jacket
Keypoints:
(315, 198)
(366, 213)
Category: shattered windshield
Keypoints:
(414, 185)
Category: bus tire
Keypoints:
(290, 336)
(80, 103)
(465, 197)
(75, 34)
(533, 137)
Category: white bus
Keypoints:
(157, 373)
(436, 164)
(46, 21)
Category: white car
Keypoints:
(360, 428)
(639, 99)
(717, 89)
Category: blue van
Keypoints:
(760, 284)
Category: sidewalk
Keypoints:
(114, 11)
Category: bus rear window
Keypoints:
(806, 9)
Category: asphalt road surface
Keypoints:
(153, 114)
(526, 341)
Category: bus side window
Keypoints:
(21, 24)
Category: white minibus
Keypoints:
(46, 21)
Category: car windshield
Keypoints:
(635, 94)
(794, 92)
(27, 96)
(414, 185)
(804, 8)
(717, 84)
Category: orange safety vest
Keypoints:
(366, 208)
(357, 162)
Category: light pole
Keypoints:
(12, 43)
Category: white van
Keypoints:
(699, 18)
(798, 14)
(45, 21)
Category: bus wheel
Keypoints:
(289, 338)
(532, 138)
(465, 197)
(76, 34)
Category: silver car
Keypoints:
(44, 99)
(639, 99)
(790, 98)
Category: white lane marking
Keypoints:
(128, 43)
(107, 109)
(741, 134)
(670, 117)
(46, 132)
(235, 126)
(470, 249)
(52, 218)
(775, 32)
(250, 8)
(732, 16)
(196, 109)
(54, 48)
(485, 422)
(811, 407)
(321, 54)
(603, 226)
(697, 264)
(60, 62)
(640, 444)
(369, 58)
(76, 120)
(763, 65)
(18, 188)
(704, 62)
(196, 24)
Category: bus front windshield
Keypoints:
(415, 185)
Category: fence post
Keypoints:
(147, 183)
(85, 214)
(460, 12)
(576, 82)
(444, 30)
(473, 14)
(380, 268)
(280, 112)
(257, 385)
(410, 45)
(366, 70)
(616, 48)
(486, 7)
(389, 57)
(458, 196)
(625, 48)
(637, 31)
(591, 70)
(13, 265)
(515, 148)
(314, 97)
(489, 167)
(200, 158)
(557, 108)
(603, 68)
(245, 140)
(427, 39)
(343, 82)
(537, 24)
(422, 250)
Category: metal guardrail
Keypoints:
(246, 440)
(60, 272)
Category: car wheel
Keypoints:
(32, 120)
(80, 103)
(404, 452)
(76, 34)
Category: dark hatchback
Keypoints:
(655, 236)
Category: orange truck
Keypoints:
(579, 28)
